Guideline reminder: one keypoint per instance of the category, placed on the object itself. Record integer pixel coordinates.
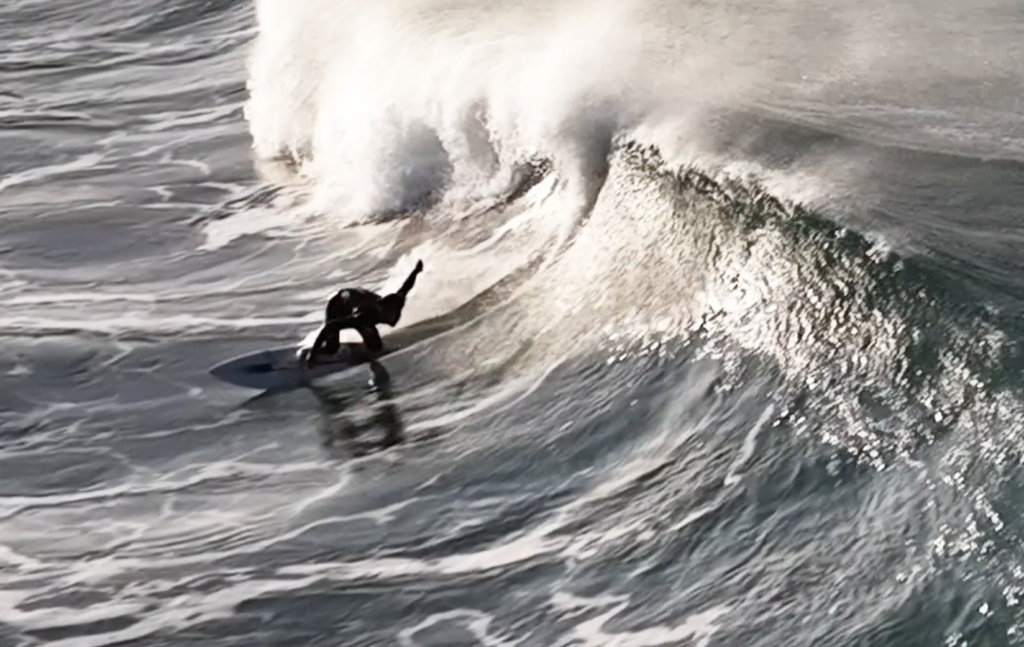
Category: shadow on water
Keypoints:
(345, 435)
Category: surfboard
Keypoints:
(280, 369)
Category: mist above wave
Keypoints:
(390, 104)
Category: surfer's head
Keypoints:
(390, 308)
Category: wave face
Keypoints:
(729, 299)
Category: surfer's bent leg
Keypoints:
(371, 338)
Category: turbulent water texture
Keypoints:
(727, 299)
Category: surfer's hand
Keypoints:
(306, 358)
(419, 267)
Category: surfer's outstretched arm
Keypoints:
(327, 334)
(411, 281)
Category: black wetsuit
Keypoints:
(361, 310)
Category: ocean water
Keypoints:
(732, 343)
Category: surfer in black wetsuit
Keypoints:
(361, 310)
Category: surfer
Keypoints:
(361, 310)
